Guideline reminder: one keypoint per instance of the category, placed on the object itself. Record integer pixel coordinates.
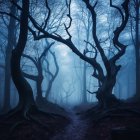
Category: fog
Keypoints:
(75, 79)
(69, 69)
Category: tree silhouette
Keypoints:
(106, 80)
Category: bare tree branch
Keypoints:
(118, 31)
(30, 58)
(95, 92)
(45, 51)
(69, 15)
(29, 76)
(49, 14)
(120, 11)
(96, 53)
(95, 38)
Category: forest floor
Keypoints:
(119, 123)
(94, 124)
(76, 130)
(42, 126)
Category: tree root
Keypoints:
(52, 115)
(11, 113)
(37, 121)
(111, 113)
(12, 129)
(28, 115)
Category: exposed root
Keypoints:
(112, 113)
(12, 129)
(37, 121)
(114, 110)
(11, 113)
(27, 117)
(52, 115)
(28, 114)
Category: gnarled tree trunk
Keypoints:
(104, 93)
(26, 99)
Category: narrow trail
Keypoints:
(76, 130)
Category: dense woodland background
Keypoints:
(57, 56)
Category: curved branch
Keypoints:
(93, 48)
(30, 58)
(29, 76)
(95, 38)
(69, 15)
(49, 14)
(48, 68)
(56, 65)
(120, 11)
(9, 14)
(24, 89)
(46, 50)
(53, 76)
(67, 42)
(95, 92)
(118, 31)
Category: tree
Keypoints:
(25, 92)
(106, 71)
(38, 62)
(10, 44)
(85, 23)
(108, 80)
(26, 100)
(136, 40)
(53, 76)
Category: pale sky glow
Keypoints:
(69, 63)
(103, 18)
(64, 52)
(69, 46)
(65, 56)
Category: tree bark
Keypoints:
(10, 45)
(104, 94)
(25, 92)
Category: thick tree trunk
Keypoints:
(26, 99)
(38, 79)
(105, 97)
(104, 94)
(24, 90)
(10, 45)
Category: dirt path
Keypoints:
(76, 130)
